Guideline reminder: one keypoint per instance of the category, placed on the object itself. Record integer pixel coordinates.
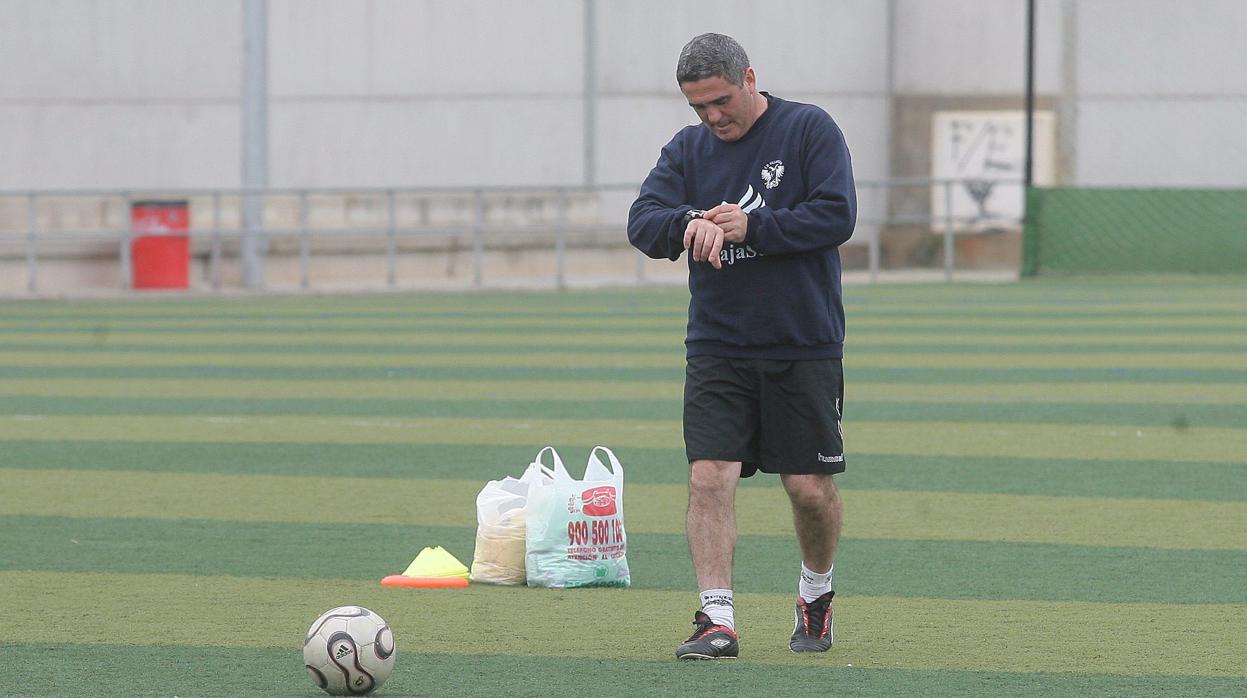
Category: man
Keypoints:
(760, 194)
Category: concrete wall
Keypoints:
(426, 93)
(974, 47)
(144, 93)
(140, 93)
(1162, 93)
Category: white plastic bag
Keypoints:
(501, 524)
(575, 530)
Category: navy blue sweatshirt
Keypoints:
(777, 296)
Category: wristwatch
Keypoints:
(691, 214)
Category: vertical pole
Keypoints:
(214, 255)
(875, 251)
(391, 240)
(590, 92)
(478, 237)
(127, 232)
(305, 243)
(1068, 122)
(560, 241)
(254, 107)
(949, 245)
(1030, 90)
(32, 233)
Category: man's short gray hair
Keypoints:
(712, 55)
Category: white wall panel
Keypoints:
(974, 46)
(119, 146)
(1162, 143)
(507, 141)
(1150, 47)
(426, 47)
(85, 50)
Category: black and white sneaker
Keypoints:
(709, 641)
(813, 631)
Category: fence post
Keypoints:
(949, 251)
(32, 228)
(640, 264)
(478, 237)
(305, 242)
(214, 253)
(560, 241)
(127, 232)
(391, 239)
(874, 246)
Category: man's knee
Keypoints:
(811, 491)
(711, 476)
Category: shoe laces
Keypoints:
(706, 626)
(815, 614)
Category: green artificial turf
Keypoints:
(1046, 494)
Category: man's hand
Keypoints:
(704, 240)
(733, 221)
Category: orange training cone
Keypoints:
(433, 568)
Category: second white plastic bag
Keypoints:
(576, 527)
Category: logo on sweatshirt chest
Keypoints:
(773, 173)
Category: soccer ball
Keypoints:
(349, 651)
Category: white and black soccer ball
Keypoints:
(349, 651)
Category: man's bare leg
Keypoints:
(711, 522)
(816, 516)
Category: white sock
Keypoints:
(814, 584)
(717, 603)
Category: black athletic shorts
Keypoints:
(774, 416)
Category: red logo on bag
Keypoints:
(599, 501)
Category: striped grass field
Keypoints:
(1046, 493)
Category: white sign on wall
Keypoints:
(985, 150)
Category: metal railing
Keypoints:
(395, 224)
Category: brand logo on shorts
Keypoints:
(830, 459)
(599, 501)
